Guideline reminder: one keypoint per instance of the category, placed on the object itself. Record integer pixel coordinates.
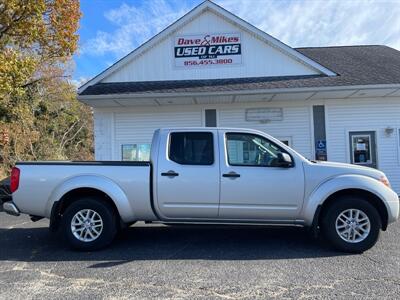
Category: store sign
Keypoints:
(208, 50)
(264, 115)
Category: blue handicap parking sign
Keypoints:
(321, 144)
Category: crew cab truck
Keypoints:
(203, 176)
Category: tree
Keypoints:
(39, 112)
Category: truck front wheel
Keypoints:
(89, 224)
(351, 224)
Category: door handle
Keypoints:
(231, 175)
(170, 173)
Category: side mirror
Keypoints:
(284, 160)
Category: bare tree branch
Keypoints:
(65, 135)
(73, 137)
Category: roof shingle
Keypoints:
(355, 65)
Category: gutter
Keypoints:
(238, 92)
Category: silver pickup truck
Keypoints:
(203, 176)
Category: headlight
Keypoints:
(385, 181)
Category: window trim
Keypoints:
(189, 132)
(257, 166)
(376, 139)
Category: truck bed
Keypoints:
(84, 163)
(42, 183)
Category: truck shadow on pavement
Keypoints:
(159, 242)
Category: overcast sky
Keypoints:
(111, 28)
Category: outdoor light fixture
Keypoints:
(389, 131)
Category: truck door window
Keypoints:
(191, 148)
(251, 150)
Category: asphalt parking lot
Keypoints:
(193, 262)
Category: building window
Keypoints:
(135, 152)
(192, 148)
(286, 140)
(210, 117)
(363, 148)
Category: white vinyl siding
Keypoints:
(138, 127)
(295, 125)
(117, 126)
(158, 62)
(365, 115)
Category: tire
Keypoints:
(94, 236)
(347, 208)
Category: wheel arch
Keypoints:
(370, 197)
(73, 195)
(80, 186)
(356, 185)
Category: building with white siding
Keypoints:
(211, 68)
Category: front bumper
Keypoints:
(393, 206)
(10, 208)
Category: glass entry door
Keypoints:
(363, 148)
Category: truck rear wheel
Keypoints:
(89, 224)
(351, 224)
